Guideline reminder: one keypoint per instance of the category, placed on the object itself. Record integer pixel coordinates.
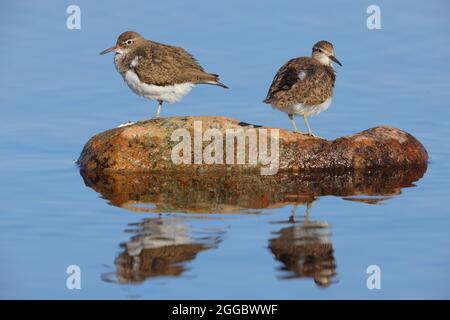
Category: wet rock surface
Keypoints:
(148, 146)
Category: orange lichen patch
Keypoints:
(133, 132)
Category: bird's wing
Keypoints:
(161, 64)
(300, 80)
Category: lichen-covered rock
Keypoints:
(152, 145)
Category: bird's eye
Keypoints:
(128, 42)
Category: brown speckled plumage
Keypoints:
(304, 86)
(158, 71)
(161, 64)
(288, 89)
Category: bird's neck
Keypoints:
(322, 58)
(122, 61)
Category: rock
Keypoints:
(226, 192)
(152, 144)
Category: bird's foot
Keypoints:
(313, 135)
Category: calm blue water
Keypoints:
(57, 92)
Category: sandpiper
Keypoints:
(304, 86)
(158, 71)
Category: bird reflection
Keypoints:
(160, 247)
(305, 250)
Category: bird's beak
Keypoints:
(109, 50)
(335, 60)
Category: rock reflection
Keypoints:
(222, 192)
(305, 250)
(161, 247)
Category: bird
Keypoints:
(158, 71)
(304, 85)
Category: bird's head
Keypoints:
(125, 42)
(323, 52)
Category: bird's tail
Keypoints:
(213, 79)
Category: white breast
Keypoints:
(171, 94)
(310, 110)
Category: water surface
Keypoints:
(158, 237)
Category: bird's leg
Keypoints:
(291, 117)
(310, 133)
(308, 208)
(293, 214)
(158, 111)
(305, 117)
